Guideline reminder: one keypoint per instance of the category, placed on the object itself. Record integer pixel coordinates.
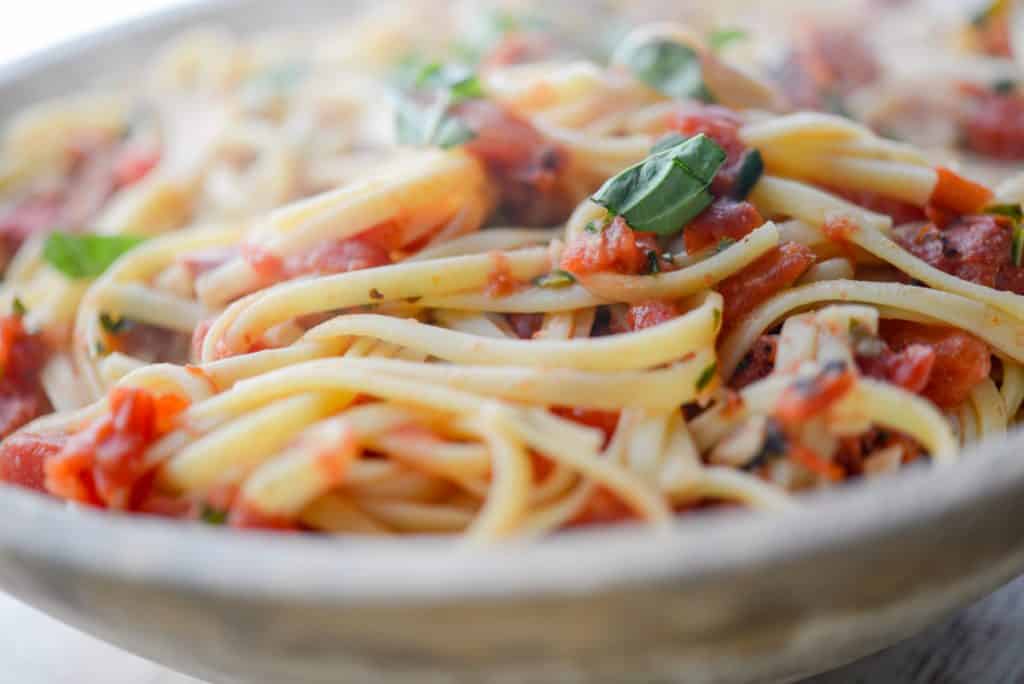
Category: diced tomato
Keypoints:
(501, 281)
(541, 465)
(23, 459)
(618, 249)
(133, 163)
(973, 248)
(605, 421)
(725, 219)
(991, 123)
(758, 363)
(525, 325)
(807, 398)
(958, 194)
(961, 360)
(815, 463)
(104, 464)
(525, 165)
(22, 357)
(602, 508)
(827, 63)
(909, 368)
(721, 125)
(267, 265)
(649, 314)
(761, 280)
(900, 212)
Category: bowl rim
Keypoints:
(306, 567)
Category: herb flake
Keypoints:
(707, 376)
(557, 279)
(86, 256)
(720, 38)
(669, 67)
(112, 325)
(18, 308)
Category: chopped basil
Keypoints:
(1004, 86)
(669, 67)
(86, 256)
(598, 225)
(213, 516)
(1018, 244)
(18, 307)
(724, 244)
(555, 280)
(706, 376)
(667, 142)
(420, 123)
(668, 189)
(750, 172)
(1012, 211)
(722, 37)
(717, 315)
(112, 325)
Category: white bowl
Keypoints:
(723, 597)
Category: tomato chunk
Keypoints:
(721, 125)
(526, 166)
(807, 398)
(991, 123)
(973, 248)
(618, 248)
(22, 357)
(961, 360)
(353, 254)
(23, 459)
(909, 368)
(725, 219)
(758, 282)
(649, 314)
(104, 463)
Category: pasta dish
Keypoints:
(502, 283)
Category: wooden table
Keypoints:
(982, 645)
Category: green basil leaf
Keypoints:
(706, 376)
(1004, 86)
(1012, 211)
(443, 86)
(86, 256)
(450, 132)
(112, 325)
(1018, 244)
(719, 38)
(671, 68)
(668, 189)
(750, 171)
(668, 142)
(212, 516)
(18, 308)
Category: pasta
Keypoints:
(498, 292)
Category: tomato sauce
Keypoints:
(759, 281)
(617, 248)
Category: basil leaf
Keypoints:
(668, 142)
(112, 325)
(86, 256)
(671, 68)
(1012, 211)
(1004, 86)
(418, 123)
(1018, 244)
(18, 308)
(668, 189)
(750, 171)
(719, 38)
(212, 516)
(706, 376)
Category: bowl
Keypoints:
(721, 597)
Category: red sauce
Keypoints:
(757, 364)
(343, 256)
(649, 314)
(759, 281)
(103, 463)
(725, 219)
(602, 508)
(617, 248)
(501, 281)
(961, 360)
(991, 123)
(909, 368)
(524, 164)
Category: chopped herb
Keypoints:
(112, 325)
(706, 376)
(722, 37)
(100, 349)
(668, 189)
(667, 142)
(598, 225)
(86, 256)
(717, 315)
(213, 516)
(1012, 211)
(1004, 86)
(18, 307)
(555, 280)
(1018, 244)
(774, 446)
(429, 120)
(750, 172)
(671, 68)
(376, 294)
(435, 125)
(724, 244)
(653, 266)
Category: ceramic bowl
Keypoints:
(722, 597)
